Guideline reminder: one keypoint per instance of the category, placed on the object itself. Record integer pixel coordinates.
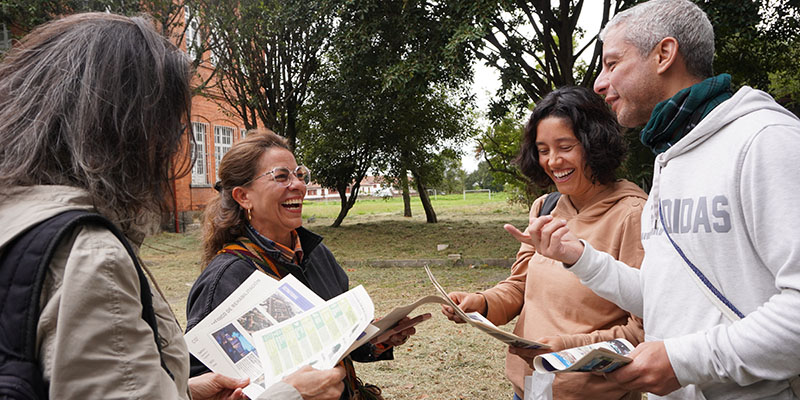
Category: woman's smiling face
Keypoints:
(276, 208)
(561, 156)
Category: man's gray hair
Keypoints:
(648, 23)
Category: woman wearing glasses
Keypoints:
(255, 224)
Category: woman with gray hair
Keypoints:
(92, 113)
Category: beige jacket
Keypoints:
(550, 300)
(91, 339)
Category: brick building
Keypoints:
(215, 127)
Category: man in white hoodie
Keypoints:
(725, 191)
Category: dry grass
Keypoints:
(444, 360)
(377, 231)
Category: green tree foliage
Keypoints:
(266, 56)
(453, 177)
(499, 146)
(347, 124)
(754, 38)
(428, 73)
(389, 89)
(432, 130)
(785, 83)
(24, 15)
(531, 44)
(483, 178)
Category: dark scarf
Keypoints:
(673, 118)
(245, 249)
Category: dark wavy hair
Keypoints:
(100, 102)
(593, 124)
(224, 219)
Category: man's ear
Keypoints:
(666, 53)
(240, 195)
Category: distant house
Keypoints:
(374, 186)
(316, 192)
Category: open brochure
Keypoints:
(389, 321)
(267, 329)
(479, 321)
(319, 337)
(283, 319)
(595, 357)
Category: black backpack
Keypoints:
(23, 265)
(549, 203)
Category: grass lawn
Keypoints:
(444, 360)
(375, 229)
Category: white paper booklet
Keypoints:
(480, 322)
(225, 341)
(596, 357)
(319, 337)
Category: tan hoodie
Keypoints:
(551, 301)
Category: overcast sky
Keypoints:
(487, 80)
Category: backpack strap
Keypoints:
(23, 266)
(549, 203)
(713, 294)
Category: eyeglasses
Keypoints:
(283, 175)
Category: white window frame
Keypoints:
(199, 169)
(5, 39)
(192, 33)
(223, 139)
(242, 133)
(214, 44)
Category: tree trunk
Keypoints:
(406, 195)
(430, 214)
(347, 203)
(342, 189)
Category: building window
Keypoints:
(215, 46)
(192, 33)
(199, 175)
(242, 133)
(5, 39)
(223, 137)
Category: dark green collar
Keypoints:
(673, 118)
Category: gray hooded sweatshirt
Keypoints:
(729, 192)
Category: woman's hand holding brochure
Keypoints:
(527, 354)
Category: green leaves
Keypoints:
(391, 99)
(268, 54)
(27, 14)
